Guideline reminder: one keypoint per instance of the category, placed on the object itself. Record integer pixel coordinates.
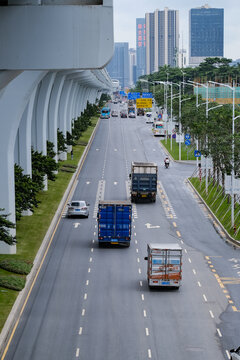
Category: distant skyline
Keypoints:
(126, 12)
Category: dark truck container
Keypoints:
(143, 181)
(114, 222)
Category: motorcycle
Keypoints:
(166, 164)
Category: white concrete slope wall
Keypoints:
(35, 103)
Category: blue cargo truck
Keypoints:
(143, 181)
(114, 222)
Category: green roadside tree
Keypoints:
(5, 225)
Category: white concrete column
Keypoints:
(13, 101)
(70, 107)
(53, 110)
(41, 119)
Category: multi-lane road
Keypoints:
(94, 303)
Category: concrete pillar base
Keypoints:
(62, 156)
(45, 183)
(27, 213)
(7, 249)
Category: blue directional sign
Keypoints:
(122, 93)
(174, 136)
(160, 116)
(197, 153)
(133, 96)
(187, 136)
(147, 95)
(187, 142)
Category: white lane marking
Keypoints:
(89, 270)
(87, 182)
(85, 296)
(135, 234)
(211, 314)
(138, 260)
(83, 312)
(189, 260)
(115, 183)
(228, 354)
(95, 226)
(219, 333)
(91, 249)
(140, 271)
(115, 149)
(136, 250)
(76, 225)
(199, 284)
(142, 296)
(90, 260)
(135, 241)
(87, 282)
(149, 354)
(147, 331)
(97, 149)
(150, 226)
(93, 241)
(80, 331)
(182, 241)
(185, 251)
(134, 226)
(204, 296)
(94, 233)
(144, 313)
(141, 284)
(194, 271)
(77, 352)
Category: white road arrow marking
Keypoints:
(97, 149)
(149, 226)
(88, 182)
(76, 225)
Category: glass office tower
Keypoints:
(206, 32)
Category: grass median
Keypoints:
(187, 152)
(32, 229)
(220, 205)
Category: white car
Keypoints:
(78, 208)
(235, 354)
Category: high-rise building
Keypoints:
(141, 46)
(206, 31)
(162, 39)
(132, 63)
(118, 68)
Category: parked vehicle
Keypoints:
(159, 128)
(131, 111)
(114, 113)
(105, 113)
(140, 112)
(114, 222)
(143, 181)
(149, 117)
(123, 114)
(235, 354)
(164, 265)
(78, 208)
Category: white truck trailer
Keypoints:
(164, 265)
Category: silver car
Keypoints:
(235, 354)
(78, 208)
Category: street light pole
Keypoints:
(233, 88)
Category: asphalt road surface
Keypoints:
(94, 303)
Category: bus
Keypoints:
(105, 113)
(159, 128)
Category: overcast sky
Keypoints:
(126, 12)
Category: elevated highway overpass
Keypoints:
(53, 57)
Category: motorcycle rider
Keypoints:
(166, 162)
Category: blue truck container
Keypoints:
(114, 222)
(144, 178)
